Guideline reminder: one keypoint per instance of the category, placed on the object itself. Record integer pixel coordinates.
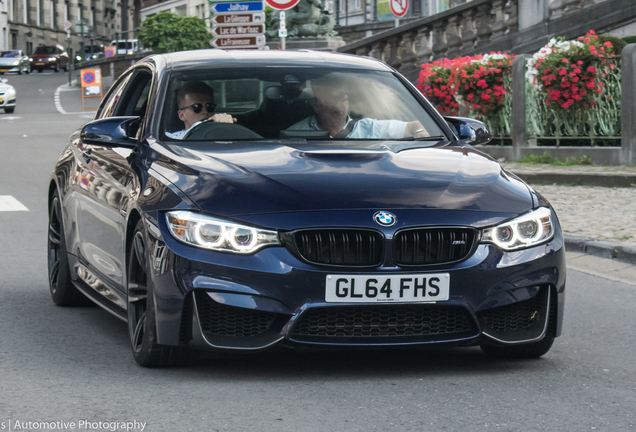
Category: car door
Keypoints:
(108, 184)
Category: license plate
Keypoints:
(39, 64)
(1, 100)
(4, 70)
(406, 288)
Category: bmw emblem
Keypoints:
(384, 218)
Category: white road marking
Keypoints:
(8, 203)
(10, 118)
(56, 98)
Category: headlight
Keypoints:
(215, 234)
(78, 57)
(16, 63)
(30, 59)
(10, 93)
(525, 231)
(52, 59)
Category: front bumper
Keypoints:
(218, 301)
(6, 68)
(6, 102)
(43, 64)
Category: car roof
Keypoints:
(255, 58)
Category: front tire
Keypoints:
(9, 110)
(63, 292)
(141, 313)
(531, 350)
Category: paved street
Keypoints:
(70, 364)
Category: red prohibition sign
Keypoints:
(283, 4)
(399, 7)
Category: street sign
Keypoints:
(110, 51)
(282, 33)
(399, 7)
(68, 25)
(239, 42)
(282, 20)
(239, 30)
(282, 4)
(238, 18)
(237, 7)
(91, 85)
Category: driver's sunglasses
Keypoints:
(197, 107)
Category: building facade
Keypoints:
(30, 23)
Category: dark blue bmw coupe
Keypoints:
(242, 200)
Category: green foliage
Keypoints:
(630, 39)
(545, 158)
(269, 11)
(581, 160)
(616, 42)
(167, 32)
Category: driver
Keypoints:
(331, 113)
(196, 104)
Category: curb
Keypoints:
(578, 179)
(626, 254)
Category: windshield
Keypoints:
(11, 54)
(294, 104)
(45, 50)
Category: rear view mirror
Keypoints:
(112, 132)
(469, 130)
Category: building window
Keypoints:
(357, 4)
(29, 48)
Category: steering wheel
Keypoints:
(213, 131)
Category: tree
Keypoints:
(167, 32)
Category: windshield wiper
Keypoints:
(428, 138)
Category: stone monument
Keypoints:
(309, 26)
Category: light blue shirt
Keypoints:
(364, 128)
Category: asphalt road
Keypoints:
(74, 364)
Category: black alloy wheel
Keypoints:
(141, 312)
(63, 292)
(40, 70)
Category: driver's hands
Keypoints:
(222, 118)
(416, 130)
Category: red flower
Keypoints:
(591, 69)
(562, 72)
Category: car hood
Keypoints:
(43, 56)
(235, 180)
(8, 61)
(6, 87)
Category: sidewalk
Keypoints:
(596, 205)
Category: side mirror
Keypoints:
(112, 132)
(469, 130)
(4, 80)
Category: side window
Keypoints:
(107, 109)
(135, 98)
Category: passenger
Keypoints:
(196, 104)
(331, 113)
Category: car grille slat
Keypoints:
(427, 246)
(340, 247)
(382, 321)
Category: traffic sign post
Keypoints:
(238, 24)
(91, 86)
(110, 51)
(282, 31)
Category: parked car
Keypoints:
(14, 61)
(49, 57)
(7, 96)
(90, 52)
(125, 46)
(328, 206)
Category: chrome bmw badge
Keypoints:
(384, 218)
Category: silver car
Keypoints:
(7, 96)
(14, 61)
